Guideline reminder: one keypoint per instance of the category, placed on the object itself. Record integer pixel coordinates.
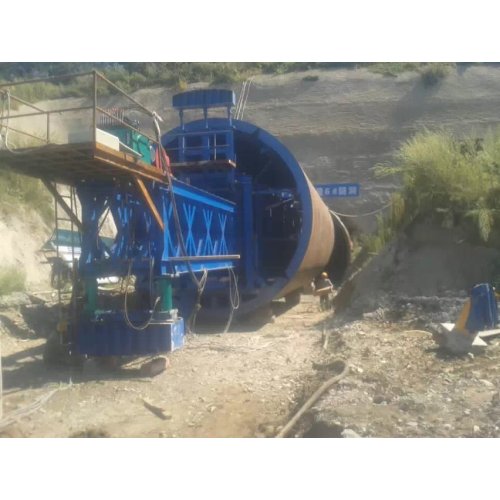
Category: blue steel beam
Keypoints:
(207, 228)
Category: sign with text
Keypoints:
(337, 190)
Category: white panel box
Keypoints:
(102, 137)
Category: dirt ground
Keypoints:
(251, 380)
(248, 383)
(241, 384)
(402, 385)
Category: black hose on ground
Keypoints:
(310, 402)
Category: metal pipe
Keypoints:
(165, 286)
(64, 110)
(26, 133)
(22, 101)
(203, 258)
(90, 284)
(60, 200)
(94, 111)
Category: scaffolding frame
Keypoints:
(73, 162)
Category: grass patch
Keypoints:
(430, 73)
(35, 92)
(433, 73)
(134, 76)
(455, 182)
(393, 68)
(227, 74)
(12, 279)
(18, 190)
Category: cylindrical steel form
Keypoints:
(289, 259)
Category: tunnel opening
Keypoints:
(340, 259)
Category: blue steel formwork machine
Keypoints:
(214, 215)
(286, 235)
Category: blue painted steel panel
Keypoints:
(208, 224)
(209, 145)
(199, 195)
(247, 230)
(484, 310)
(108, 334)
(204, 98)
(262, 139)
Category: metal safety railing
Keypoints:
(98, 87)
(211, 145)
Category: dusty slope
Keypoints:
(347, 121)
(427, 260)
(401, 385)
(22, 234)
(341, 125)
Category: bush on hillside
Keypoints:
(20, 191)
(12, 279)
(133, 76)
(453, 181)
(433, 73)
(393, 68)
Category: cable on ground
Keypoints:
(310, 402)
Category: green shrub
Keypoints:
(138, 80)
(33, 92)
(452, 181)
(182, 85)
(133, 76)
(430, 73)
(226, 75)
(18, 190)
(82, 87)
(433, 73)
(393, 68)
(12, 279)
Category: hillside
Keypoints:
(380, 347)
(341, 123)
